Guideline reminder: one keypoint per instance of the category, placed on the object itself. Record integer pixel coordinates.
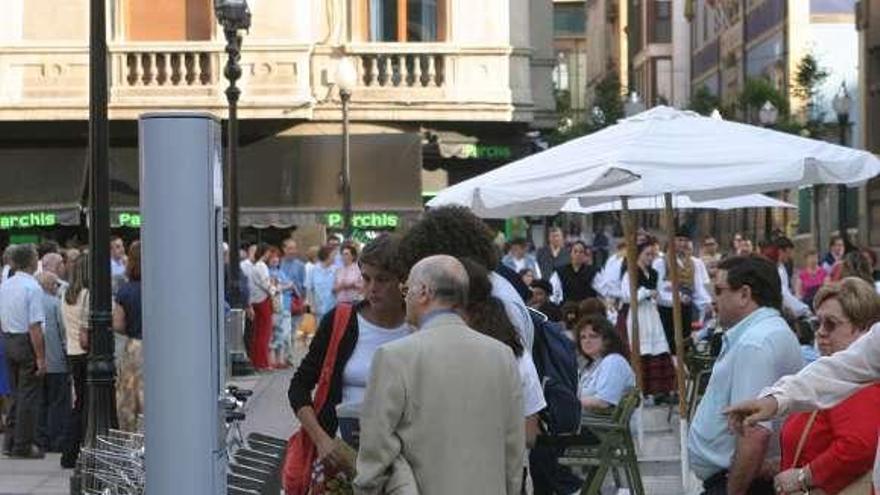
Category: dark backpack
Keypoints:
(556, 362)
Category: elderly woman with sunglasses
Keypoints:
(832, 449)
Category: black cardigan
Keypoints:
(306, 377)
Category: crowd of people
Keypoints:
(422, 372)
(770, 311)
(44, 319)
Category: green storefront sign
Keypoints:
(365, 221)
(486, 152)
(129, 219)
(27, 220)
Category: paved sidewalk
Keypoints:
(267, 412)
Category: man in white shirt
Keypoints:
(791, 303)
(21, 320)
(117, 261)
(609, 279)
(517, 259)
(693, 280)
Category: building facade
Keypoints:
(570, 46)
(659, 37)
(607, 46)
(868, 23)
(734, 41)
(445, 88)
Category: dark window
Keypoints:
(569, 19)
(661, 31)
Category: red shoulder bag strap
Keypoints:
(340, 323)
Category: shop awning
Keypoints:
(41, 187)
(124, 188)
(446, 144)
(295, 180)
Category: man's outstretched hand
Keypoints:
(750, 412)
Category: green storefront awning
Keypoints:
(41, 187)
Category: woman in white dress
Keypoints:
(658, 373)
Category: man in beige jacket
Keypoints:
(821, 385)
(446, 402)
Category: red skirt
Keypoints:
(262, 334)
(658, 374)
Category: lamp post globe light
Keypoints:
(234, 16)
(841, 104)
(634, 105)
(346, 80)
(598, 116)
(768, 115)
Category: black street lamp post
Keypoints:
(234, 16)
(346, 78)
(101, 404)
(841, 104)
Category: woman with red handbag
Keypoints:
(336, 368)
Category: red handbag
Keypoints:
(301, 451)
(297, 305)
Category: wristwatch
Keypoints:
(803, 479)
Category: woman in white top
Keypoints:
(658, 373)
(261, 292)
(378, 319)
(75, 313)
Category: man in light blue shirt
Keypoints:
(22, 319)
(759, 348)
(294, 269)
(319, 285)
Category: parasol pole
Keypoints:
(632, 316)
(629, 232)
(672, 264)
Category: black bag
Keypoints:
(556, 361)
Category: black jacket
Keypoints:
(577, 285)
(306, 377)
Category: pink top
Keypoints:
(349, 283)
(810, 283)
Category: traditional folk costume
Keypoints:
(692, 282)
(658, 373)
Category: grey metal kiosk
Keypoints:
(182, 260)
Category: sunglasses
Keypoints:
(828, 325)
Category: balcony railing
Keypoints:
(396, 81)
(147, 69)
(411, 70)
(168, 69)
